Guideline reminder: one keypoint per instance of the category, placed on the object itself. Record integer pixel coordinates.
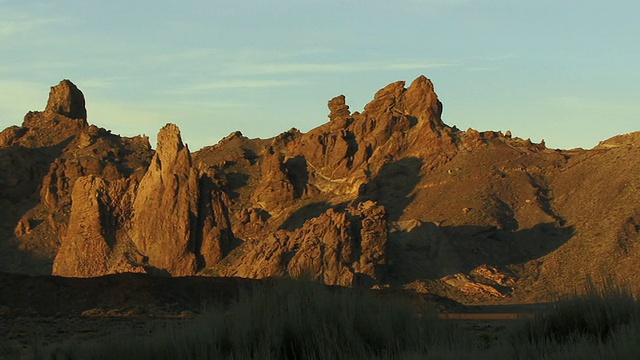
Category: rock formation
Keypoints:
(165, 209)
(40, 163)
(172, 221)
(343, 248)
(65, 99)
(390, 196)
(85, 250)
(339, 247)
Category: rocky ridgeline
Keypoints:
(391, 196)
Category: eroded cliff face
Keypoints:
(343, 248)
(96, 240)
(339, 247)
(172, 221)
(40, 163)
(391, 196)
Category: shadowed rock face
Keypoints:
(389, 196)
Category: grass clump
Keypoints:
(603, 322)
(293, 319)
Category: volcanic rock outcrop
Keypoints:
(167, 200)
(88, 248)
(67, 100)
(40, 162)
(172, 221)
(346, 247)
(390, 196)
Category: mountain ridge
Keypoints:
(391, 196)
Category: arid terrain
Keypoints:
(43, 310)
(391, 198)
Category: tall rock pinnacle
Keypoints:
(66, 99)
(165, 207)
(421, 99)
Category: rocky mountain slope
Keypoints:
(391, 196)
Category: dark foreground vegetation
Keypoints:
(303, 320)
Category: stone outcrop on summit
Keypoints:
(66, 99)
(390, 196)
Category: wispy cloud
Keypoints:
(103, 83)
(234, 84)
(590, 105)
(20, 97)
(483, 68)
(25, 96)
(13, 22)
(238, 68)
(128, 118)
(188, 55)
(36, 65)
(274, 74)
(421, 65)
(235, 56)
(11, 27)
(346, 67)
(199, 120)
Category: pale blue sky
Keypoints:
(566, 71)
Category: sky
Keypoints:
(565, 71)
